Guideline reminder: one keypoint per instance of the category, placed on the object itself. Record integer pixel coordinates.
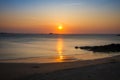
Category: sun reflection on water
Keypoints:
(60, 50)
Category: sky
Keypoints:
(76, 16)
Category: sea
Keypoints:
(49, 48)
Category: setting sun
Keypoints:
(60, 27)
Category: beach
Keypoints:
(59, 39)
(98, 69)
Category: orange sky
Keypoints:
(76, 17)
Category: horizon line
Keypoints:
(60, 34)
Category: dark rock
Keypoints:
(118, 34)
(103, 48)
(76, 47)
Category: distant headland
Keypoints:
(103, 48)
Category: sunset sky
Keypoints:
(75, 16)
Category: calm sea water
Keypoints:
(52, 48)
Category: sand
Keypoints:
(98, 69)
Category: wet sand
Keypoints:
(98, 69)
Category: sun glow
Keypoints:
(60, 27)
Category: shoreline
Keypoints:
(16, 71)
(56, 59)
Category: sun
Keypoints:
(60, 27)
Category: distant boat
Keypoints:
(51, 33)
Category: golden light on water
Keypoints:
(60, 50)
